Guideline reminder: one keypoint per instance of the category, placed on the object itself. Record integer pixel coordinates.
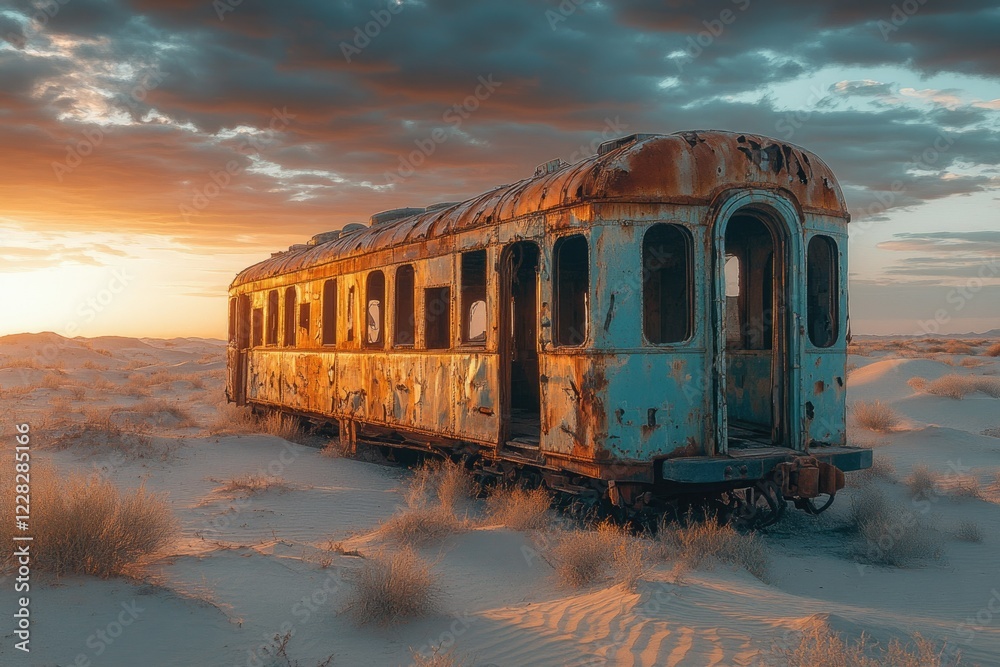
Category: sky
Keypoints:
(154, 148)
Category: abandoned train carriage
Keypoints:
(668, 314)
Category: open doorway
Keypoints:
(755, 332)
(519, 345)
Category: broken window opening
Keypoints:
(668, 284)
(272, 318)
(329, 324)
(290, 317)
(403, 317)
(474, 297)
(374, 313)
(232, 320)
(822, 279)
(258, 327)
(350, 313)
(304, 317)
(437, 318)
(572, 290)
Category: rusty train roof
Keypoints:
(687, 167)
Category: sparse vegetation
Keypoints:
(432, 498)
(391, 587)
(437, 659)
(699, 544)
(585, 556)
(100, 430)
(235, 420)
(969, 531)
(85, 525)
(993, 350)
(252, 483)
(159, 411)
(519, 509)
(876, 416)
(278, 651)
(882, 468)
(819, 646)
(958, 386)
(892, 536)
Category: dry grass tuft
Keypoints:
(519, 509)
(234, 420)
(922, 482)
(876, 416)
(892, 535)
(437, 659)
(435, 492)
(392, 587)
(819, 646)
(85, 525)
(958, 347)
(700, 544)
(969, 531)
(253, 483)
(586, 556)
(993, 350)
(958, 386)
(100, 430)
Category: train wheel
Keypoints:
(811, 506)
(758, 506)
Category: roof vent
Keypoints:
(442, 204)
(393, 214)
(615, 144)
(325, 237)
(550, 167)
(352, 227)
(297, 247)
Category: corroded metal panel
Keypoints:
(477, 412)
(574, 416)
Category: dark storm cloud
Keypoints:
(567, 79)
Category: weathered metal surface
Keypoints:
(616, 405)
(688, 168)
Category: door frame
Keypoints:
(784, 218)
(505, 338)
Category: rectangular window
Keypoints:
(437, 318)
(258, 327)
(403, 316)
(304, 318)
(374, 310)
(329, 324)
(272, 318)
(350, 313)
(572, 290)
(290, 314)
(232, 320)
(474, 297)
(667, 284)
(822, 279)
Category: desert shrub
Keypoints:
(100, 430)
(958, 386)
(85, 525)
(585, 556)
(890, 535)
(234, 420)
(92, 366)
(958, 347)
(970, 362)
(445, 482)
(251, 483)
(700, 544)
(437, 659)
(921, 482)
(969, 531)
(53, 381)
(876, 416)
(158, 410)
(519, 509)
(819, 646)
(422, 524)
(391, 587)
(993, 350)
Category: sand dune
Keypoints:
(250, 564)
